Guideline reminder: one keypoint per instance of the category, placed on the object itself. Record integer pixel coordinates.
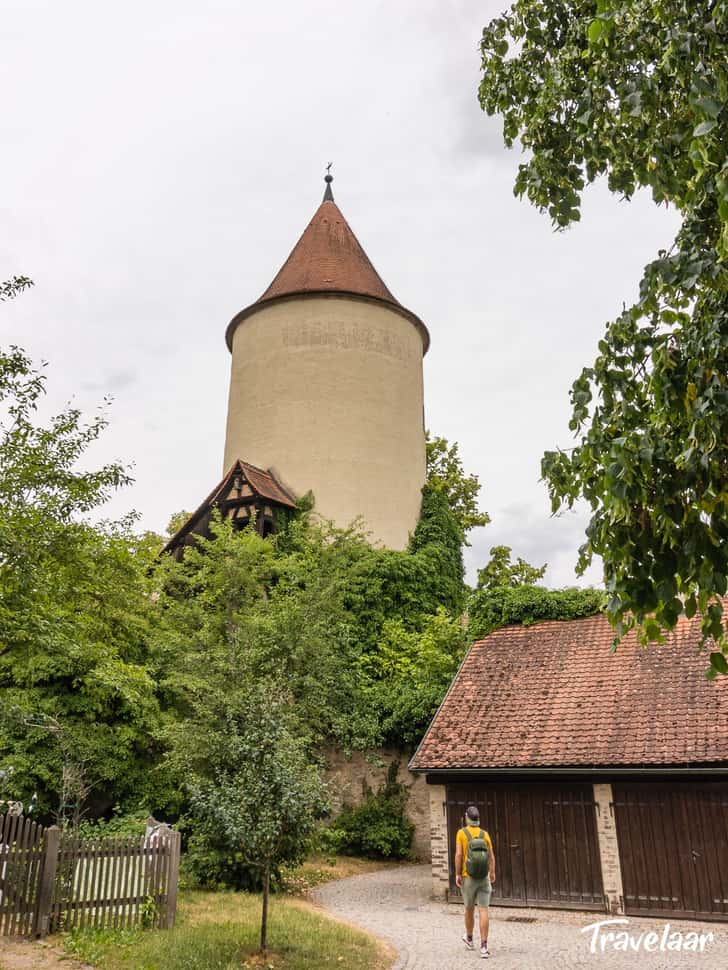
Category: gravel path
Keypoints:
(395, 905)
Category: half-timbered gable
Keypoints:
(245, 494)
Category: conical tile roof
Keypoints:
(328, 258)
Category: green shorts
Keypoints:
(476, 892)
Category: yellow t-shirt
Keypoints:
(462, 841)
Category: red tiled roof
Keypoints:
(328, 258)
(266, 484)
(553, 695)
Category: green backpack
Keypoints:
(477, 860)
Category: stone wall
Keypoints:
(438, 838)
(346, 775)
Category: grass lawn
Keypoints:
(220, 931)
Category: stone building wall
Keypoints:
(438, 839)
(346, 775)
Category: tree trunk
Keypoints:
(264, 917)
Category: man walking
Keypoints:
(475, 875)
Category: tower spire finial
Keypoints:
(328, 178)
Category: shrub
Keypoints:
(378, 827)
(210, 865)
(120, 824)
(491, 609)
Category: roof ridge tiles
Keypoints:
(576, 702)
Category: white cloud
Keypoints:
(160, 160)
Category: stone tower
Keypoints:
(326, 384)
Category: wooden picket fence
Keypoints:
(21, 864)
(51, 880)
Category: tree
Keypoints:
(411, 671)
(437, 546)
(637, 92)
(11, 288)
(445, 474)
(236, 595)
(176, 521)
(254, 791)
(323, 609)
(254, 665)
(73, 608)
(499, 571)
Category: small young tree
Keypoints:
(254, 791)
(500, 571)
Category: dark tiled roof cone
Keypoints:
(328, 258)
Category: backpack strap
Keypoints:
(468, 836)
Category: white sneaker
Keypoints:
(468, 941)
(484, 951)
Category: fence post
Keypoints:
(51, 843)
(173, 878)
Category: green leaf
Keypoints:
(710, 107)
(705, 127)
(653, 630)
(658, 384)
(718, 662)
(595, 31)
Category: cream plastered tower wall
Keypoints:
(327, 391)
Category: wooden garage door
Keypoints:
(673, 848)
(544, 838)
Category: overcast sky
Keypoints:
(160, 159)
